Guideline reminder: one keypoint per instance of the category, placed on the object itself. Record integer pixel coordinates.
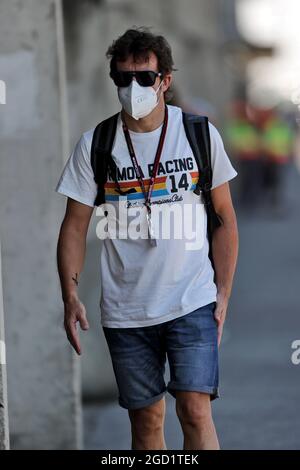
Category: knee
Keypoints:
(194, 413)
(147, 421)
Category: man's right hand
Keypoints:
(75, 312)
(70, 258)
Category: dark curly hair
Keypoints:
(140, 42)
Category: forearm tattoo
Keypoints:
(75, 279)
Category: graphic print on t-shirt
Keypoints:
(173, 177)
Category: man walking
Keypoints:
(161, 296)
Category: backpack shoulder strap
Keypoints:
(102, 143)
(197, 132)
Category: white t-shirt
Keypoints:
(144, 285)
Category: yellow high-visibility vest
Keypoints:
(243, 139)
(277, 140)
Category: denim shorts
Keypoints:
(139, 355)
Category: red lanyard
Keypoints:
(156, 161)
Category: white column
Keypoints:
(42, 371)
(4, 434)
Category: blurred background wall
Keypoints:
(237, 63)
(212, 58)
(203, 37)
(43, 378)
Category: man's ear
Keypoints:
(167, 82)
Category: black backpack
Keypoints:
(197, 132)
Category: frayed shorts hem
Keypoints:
(212, 391)
(143, 403)
(172, 388)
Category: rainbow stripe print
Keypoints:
(159, 189)
(194, 176)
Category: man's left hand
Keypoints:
(220, 313)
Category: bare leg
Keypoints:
(147, 427)
(194, 413)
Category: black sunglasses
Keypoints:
(143, 77)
